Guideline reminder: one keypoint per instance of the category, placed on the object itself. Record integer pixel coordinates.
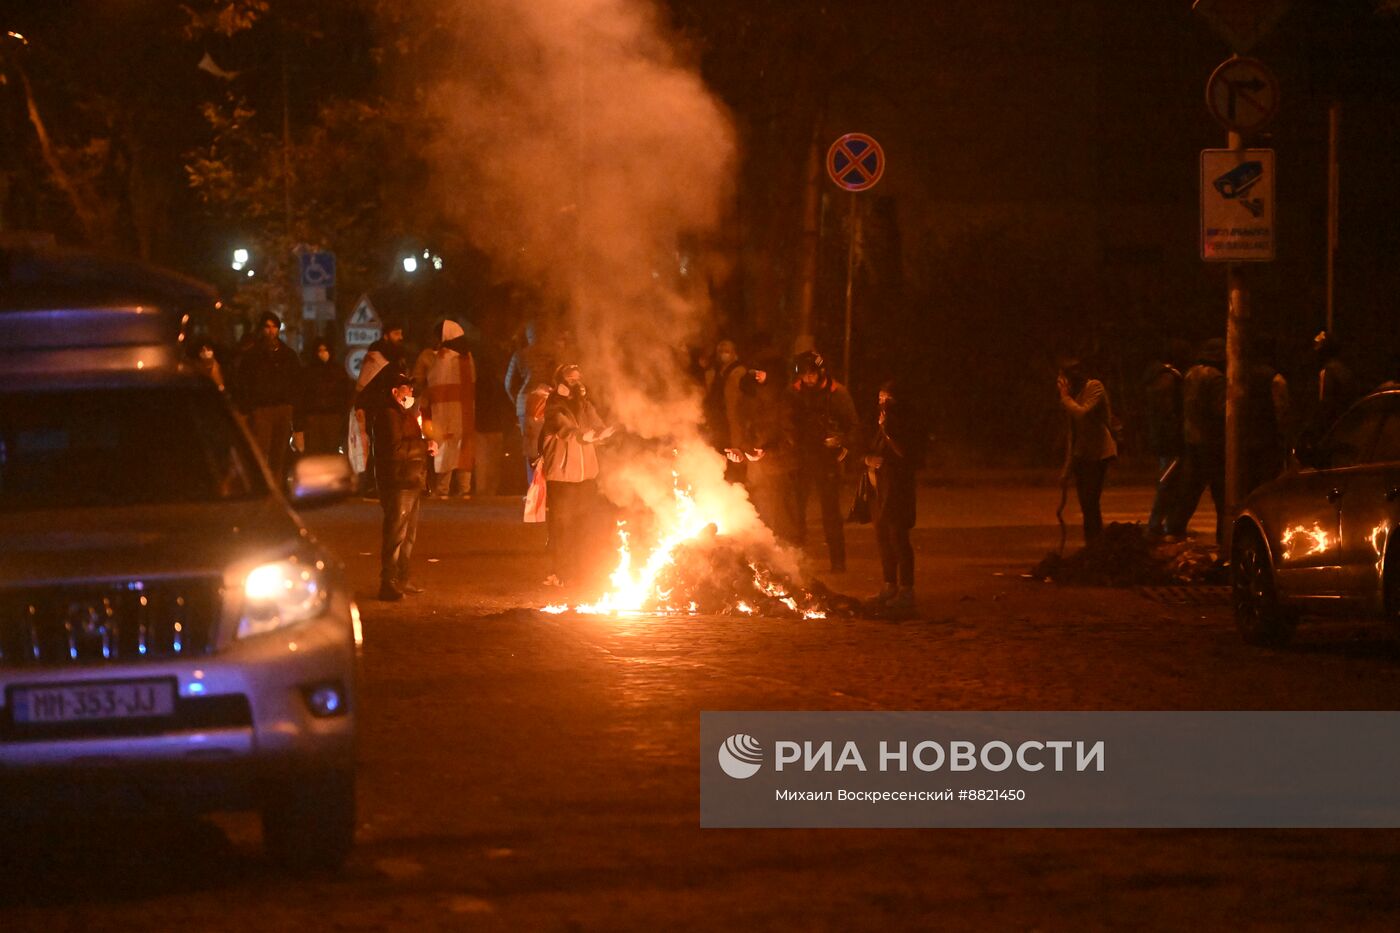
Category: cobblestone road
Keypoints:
(523, 771)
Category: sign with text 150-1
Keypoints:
(1237, 205)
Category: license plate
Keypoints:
(87, 702)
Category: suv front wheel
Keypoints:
(309, 822)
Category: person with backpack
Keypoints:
(1203, 406)
(1091, 446)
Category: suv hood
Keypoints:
(146, 541)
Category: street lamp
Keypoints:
(240, 259)
(410, 264)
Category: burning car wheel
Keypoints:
(309, 823)
(1258, 616)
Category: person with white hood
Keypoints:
(449, 410)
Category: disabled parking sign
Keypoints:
(1237, 205)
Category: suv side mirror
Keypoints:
(320, 479)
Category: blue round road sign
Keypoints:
(855, 162)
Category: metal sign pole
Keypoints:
(1236, 385)
(855, 162)
(850, 282)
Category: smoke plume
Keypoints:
(578, 149)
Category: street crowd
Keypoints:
(436, 427)
(1185, 394)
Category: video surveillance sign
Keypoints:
(1237, 205)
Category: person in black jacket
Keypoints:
(265, 388)
(892, 462)
(326, 389)
(1162, 387)
(401, 467)
(825, 419)
(766, 442)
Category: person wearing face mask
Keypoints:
(721, 406)
(266, 388)
(401, 467)
(207, 364)
(572, 429)
(766, 444)
(892, 461)
(326, 389)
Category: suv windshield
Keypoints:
(115, 446)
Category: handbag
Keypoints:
(865, 496)
(535, 504)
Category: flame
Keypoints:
(634, 589)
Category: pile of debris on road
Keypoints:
(1125, 555)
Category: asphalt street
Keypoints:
(520, 771)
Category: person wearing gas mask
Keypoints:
(891, 462)
(826, 425)
(572, 429)
(401, 467)
(326, 390)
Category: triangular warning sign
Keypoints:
(364, 314)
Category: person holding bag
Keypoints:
(572, 426)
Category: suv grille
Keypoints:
(95, 623)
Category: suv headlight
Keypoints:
(282, 593)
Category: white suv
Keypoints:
(170, 634)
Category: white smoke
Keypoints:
(577, 148)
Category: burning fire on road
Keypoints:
(702, 561)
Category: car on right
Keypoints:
(1316, 540)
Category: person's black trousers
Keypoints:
(401, 507)
(827, 482)
(1089, 477)
(1205, 468)
(896, 553)
(569, 510)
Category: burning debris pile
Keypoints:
(715, 575)
(1124, 555)
(711, 574)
